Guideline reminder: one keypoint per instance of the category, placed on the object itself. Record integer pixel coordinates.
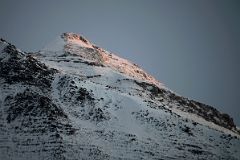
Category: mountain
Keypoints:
(73, 100)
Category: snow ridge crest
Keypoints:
(68, 36)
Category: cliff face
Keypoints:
(74, 100)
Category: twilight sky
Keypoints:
(192, 46)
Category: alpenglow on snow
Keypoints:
(73, 100)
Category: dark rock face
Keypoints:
(24, 69)
(73, 94)
(31, 113)
(31, 109)
(20, 68)
(30, 103)
(12, 51)
(207, 112)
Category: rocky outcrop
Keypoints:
(207, 112)
(18, 67)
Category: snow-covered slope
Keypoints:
(74, 100)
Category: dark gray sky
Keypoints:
(192, 46)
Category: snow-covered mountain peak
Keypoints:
(70, 36)
(74, 102)
(76, 38)
(75, 46)
(65, 42)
